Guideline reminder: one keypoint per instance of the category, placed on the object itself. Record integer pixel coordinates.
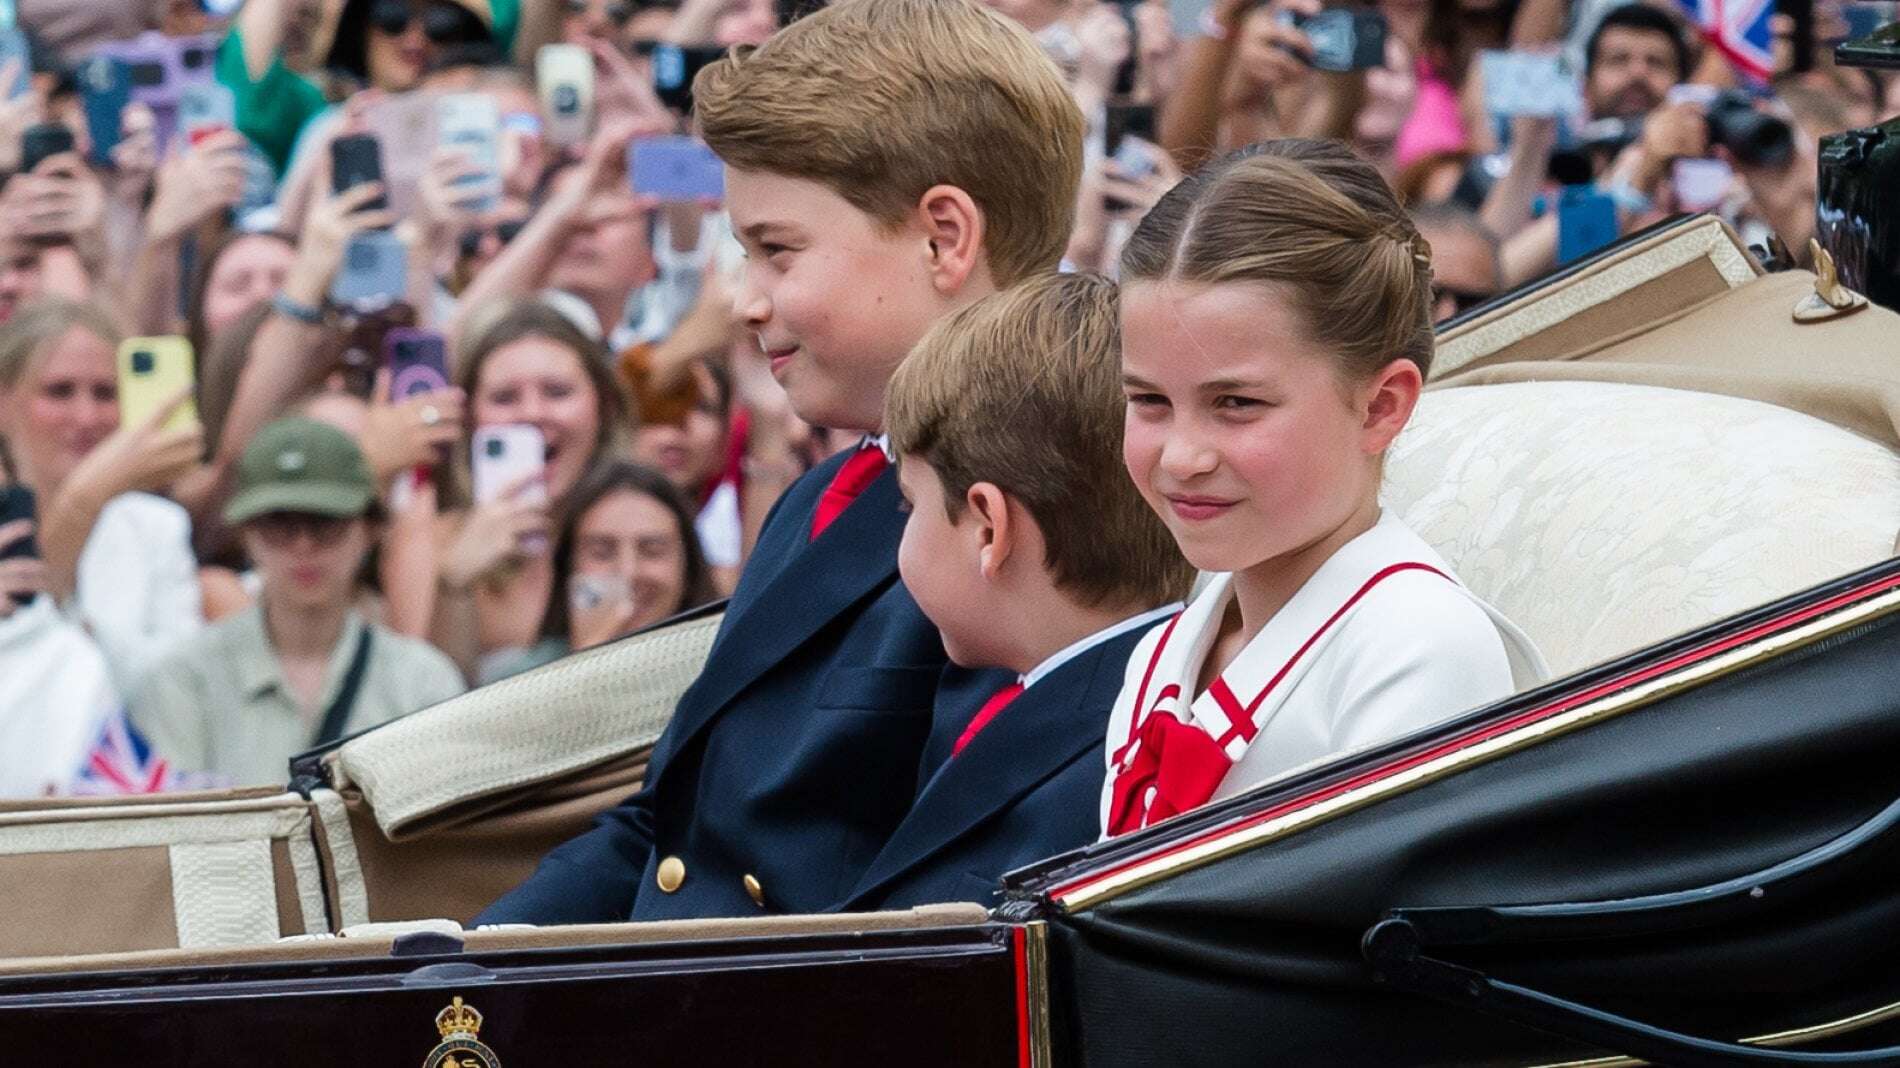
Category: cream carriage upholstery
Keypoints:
(1653, 443)
(184, 870)
(1602, 517)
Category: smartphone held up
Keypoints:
(1343, 38)
(564, 76)
(676, 169)
(508, 458)
(152, 371)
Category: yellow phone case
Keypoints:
(152, 370)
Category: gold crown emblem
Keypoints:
(458, 1019)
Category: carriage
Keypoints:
(1680, 474)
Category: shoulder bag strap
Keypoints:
(338, 713)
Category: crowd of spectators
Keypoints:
(190, 600)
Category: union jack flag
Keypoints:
(1741, 30)
(123, 762)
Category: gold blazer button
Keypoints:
(671, 874)
(753, 889)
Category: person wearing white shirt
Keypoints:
(1276, 332)
(118, 558)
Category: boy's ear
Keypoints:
(1388, 400)
(953, 226)
(994, 530)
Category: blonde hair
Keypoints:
(42, 322)
(1023, 389)
(31, 329)
(1320, 223)
(880, 100)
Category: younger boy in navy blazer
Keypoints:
(871, 203)
(1030, 549)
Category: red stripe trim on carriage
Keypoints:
(1141, 694)
(1485, 733)
(1019, 942)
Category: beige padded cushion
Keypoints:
(203, 869)
(1621, 293)
(1602, 517)
(581, 710)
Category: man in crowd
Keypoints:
(1633, 59)
(1466, 268)
(302, 666)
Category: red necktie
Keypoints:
(988, 712)
(858, 472)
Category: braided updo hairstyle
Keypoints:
(1317, 221)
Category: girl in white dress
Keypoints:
(1275, 334)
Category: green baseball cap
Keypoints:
(301, 465)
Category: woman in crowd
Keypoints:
(689, 440)
(625, 558)
(528, 365)
(118, 556)
(1275, 335)
(237, 274)
(378, 44)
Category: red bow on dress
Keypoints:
(1178, 762)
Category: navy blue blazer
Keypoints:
(1027, 787)
(795, 753)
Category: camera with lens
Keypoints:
(143, 362)
(1753, 137)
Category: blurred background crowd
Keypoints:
(356, 352)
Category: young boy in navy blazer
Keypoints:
(1031, 551)
(871, 203)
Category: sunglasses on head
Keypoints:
(440, 22)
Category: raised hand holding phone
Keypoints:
(357, 160)
(206, 178)
(22, 574)
(469, 126)
(600, 608)
(148, 454)
(327, 230)
(408, 429)
(510, 524)
(1533, 84)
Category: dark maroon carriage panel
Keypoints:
(932, 997)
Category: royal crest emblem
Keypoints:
(458, 1025)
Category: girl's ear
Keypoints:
(953, 233)
(994, 531)
(1387, 400)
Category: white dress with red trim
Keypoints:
(1380, 641)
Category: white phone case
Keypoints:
(502, 456)
(565, 76)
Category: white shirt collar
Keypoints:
(883, 443)
(1111, 631)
